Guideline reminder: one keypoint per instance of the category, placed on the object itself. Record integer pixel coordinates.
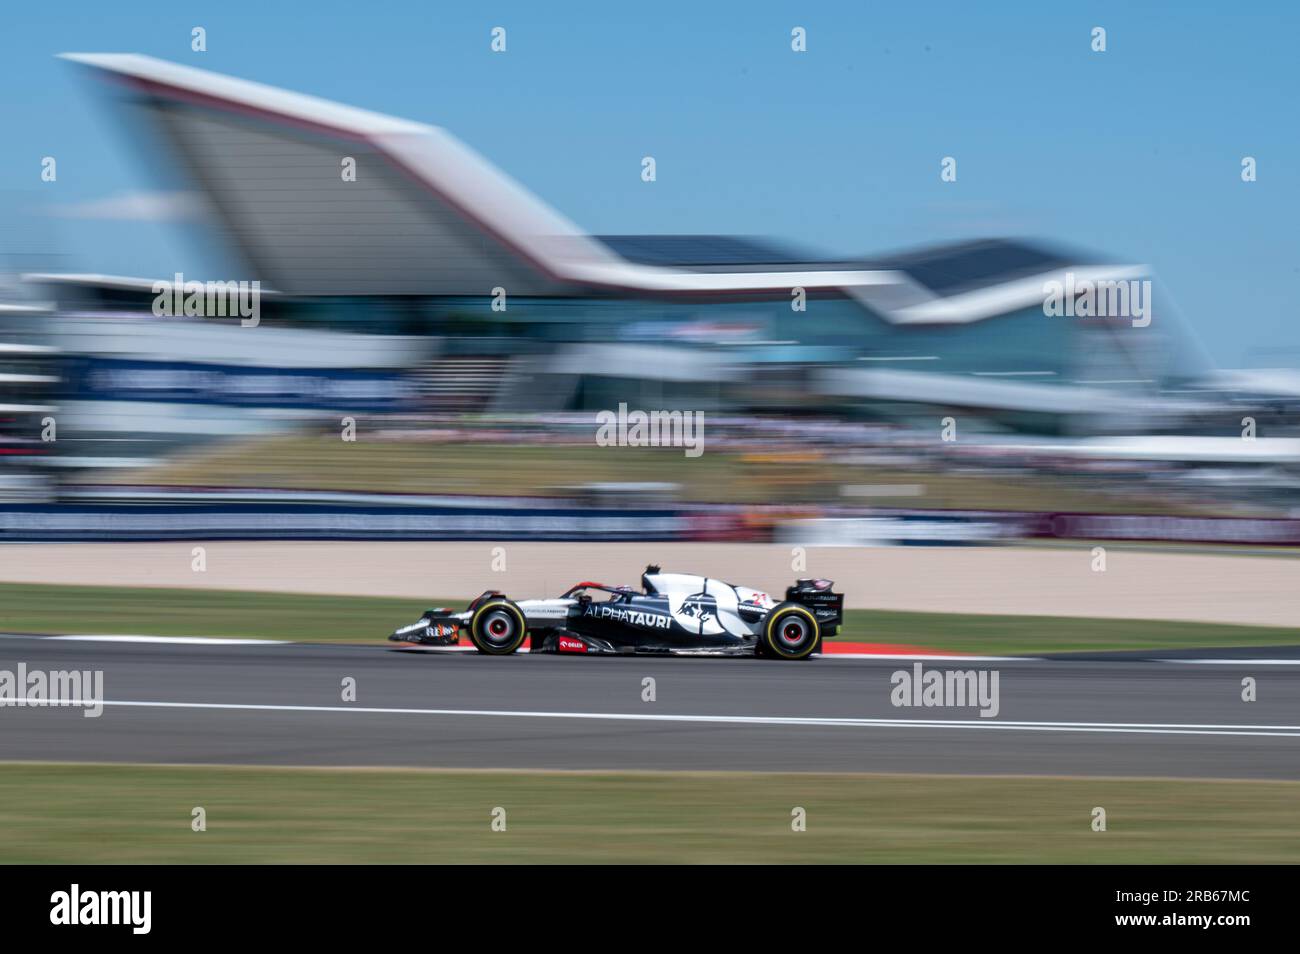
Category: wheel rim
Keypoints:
(499, 628)
(793, 633)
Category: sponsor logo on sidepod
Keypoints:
(567, 645)
(700, 606)
(635, 617)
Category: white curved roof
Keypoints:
(293, 218)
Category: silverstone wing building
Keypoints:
(430, 279)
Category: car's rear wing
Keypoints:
(826, 605)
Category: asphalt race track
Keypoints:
(281, 704)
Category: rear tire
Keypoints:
(790, 632)
(498, 627)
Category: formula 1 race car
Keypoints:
(673, 613)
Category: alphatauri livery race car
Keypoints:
(673, 613)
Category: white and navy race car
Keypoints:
(673, 613)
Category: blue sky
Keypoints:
(1133, 153)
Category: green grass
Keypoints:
(158, 611)
(38, 608)
(85, 814)
(1010, 635)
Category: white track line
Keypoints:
(1233, 662)
(436, 650)
(1149, 728)
(440, 650)
(173, 640)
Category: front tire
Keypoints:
(790, 632)
(498, 627)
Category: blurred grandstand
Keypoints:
(29, 384)
(473, 333)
